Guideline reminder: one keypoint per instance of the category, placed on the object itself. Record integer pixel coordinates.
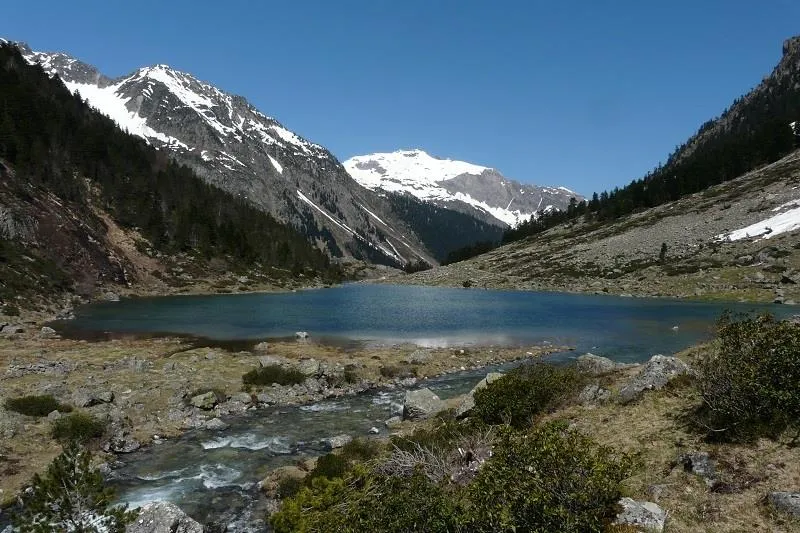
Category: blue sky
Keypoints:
(587, 94)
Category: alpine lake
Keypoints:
(213, 476)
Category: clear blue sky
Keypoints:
(588, 94)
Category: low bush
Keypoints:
(398, 371)
(337, 464)
(267, 375)
(550, 479)
(526, 392)
(36, 405)
(547, 479)
(368, 502)
(77, 427)
(748, 380)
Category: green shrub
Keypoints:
(360, 450)
(267, 375)
(36, 405)
(525, 392)
(369, 502)
(547, 479)
(398, 371)
(77, 427)
(550, 479)
(749, 380)
(289, 486)
(330, 466)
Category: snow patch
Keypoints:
(768, 228)
(275, 164)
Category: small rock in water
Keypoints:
(215, 424)
(374, 431)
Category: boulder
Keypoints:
(111, 296)
(699, 464)
(419, 357)
(215, 424)
(374, 431)
(205, 401)
(468, 402)
(261, 347)
(242, 397)
(332, 443)
(84, 397)
(47, 332)
(301, 335)
(655, 374)
(593, 394)
(590, 363)
(11, 329)
(785, 502)
(265, 398)
(271, 360)
(163, 517)
(420, 404)
(309, 367)
(642, 516)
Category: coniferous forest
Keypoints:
(53, 140)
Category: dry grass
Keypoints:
(655, 430)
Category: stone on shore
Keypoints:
(163, 517)
(655, 374)
(420, 404)
(643, 516)
(205, 401)
(590, 363)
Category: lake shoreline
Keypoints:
(152, 381)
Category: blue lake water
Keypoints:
(626, 329)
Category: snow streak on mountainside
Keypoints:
(469, 188)
(234, 146)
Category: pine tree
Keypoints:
(71, 498)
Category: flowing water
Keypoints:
(213, 475)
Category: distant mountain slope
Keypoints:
(739, 240)
(69, 176)
(473, 189)
(758, 129)
(234, 146)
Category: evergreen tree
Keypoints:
(70, 498)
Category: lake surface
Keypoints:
(213, 475)
(627, 329)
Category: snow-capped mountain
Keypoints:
(473, 189)
(234, 146)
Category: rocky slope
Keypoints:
(737, 240)
(234, 146)
(473, 189)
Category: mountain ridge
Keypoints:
(232, 145)
(466, 187)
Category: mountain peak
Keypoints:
(791, 46)
(474, 189)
